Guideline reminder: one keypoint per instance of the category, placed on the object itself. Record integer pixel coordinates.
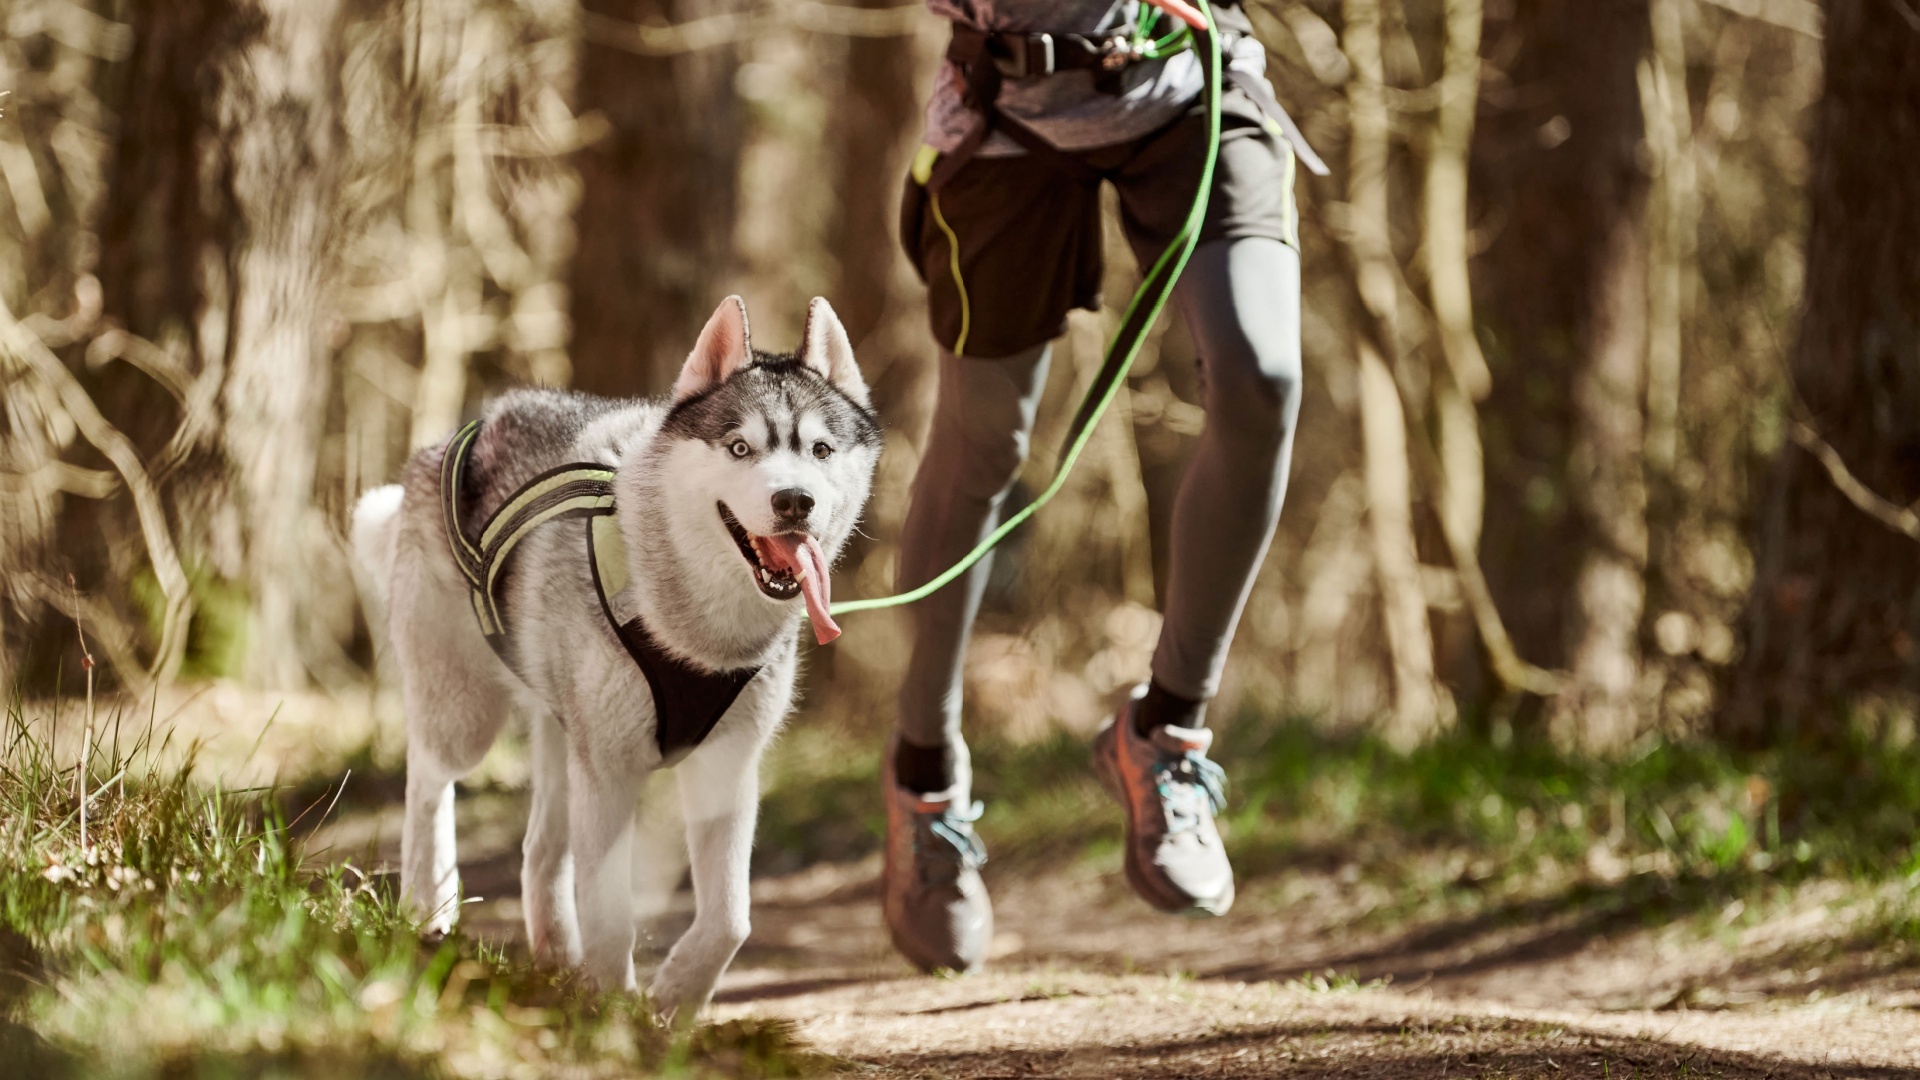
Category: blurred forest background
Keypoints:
(1612, 329)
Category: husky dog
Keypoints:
(722, 506)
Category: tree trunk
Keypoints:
(1834, 615)
(656, 212)
(160, 216)
(876, 114)
(1396, 561)
(1417, 711)
(1462, 381)
(1597, 708)
(158, 220)
(279, 121)
(870, 135)
(1673, 238)
(1465, 378)
(1557, 160)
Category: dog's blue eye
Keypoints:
(822, 451)
(739, 448)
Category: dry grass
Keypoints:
(186, 938)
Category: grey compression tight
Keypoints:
(1241, 299)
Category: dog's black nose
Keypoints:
(792, 503)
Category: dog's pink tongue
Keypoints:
(803, 556)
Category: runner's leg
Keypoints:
(1241, 301)
(982, 420)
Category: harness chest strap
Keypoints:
(688, 701)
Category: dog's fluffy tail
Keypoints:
(376, 537)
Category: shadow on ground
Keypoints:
(819, 954)
(1466, 1048)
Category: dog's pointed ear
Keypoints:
(721, 350)
(825, 347)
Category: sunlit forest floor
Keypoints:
(1465, 909)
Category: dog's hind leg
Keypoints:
(429, 875)
(600, 802)
(546, 872)
(455, 709)
(720, 790)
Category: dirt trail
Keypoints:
(1091, 984)
(1087, 983)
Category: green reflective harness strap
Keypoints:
(575, 490)
(688, 701)
(1121, 351)
(452, 475)
(572, 491)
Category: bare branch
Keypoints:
(732, 28)
(60, 476)
(75, 27)
(1903, 520)
(1454, 465)
(152, 360)
(856, 22)
(110, 632)
(17, 342)
(1508, 666)
(1799, 16)
(1418, 709)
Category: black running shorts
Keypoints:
(1012, 244)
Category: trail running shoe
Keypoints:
(1171, 792)
(936, 906)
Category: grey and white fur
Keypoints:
(744, 429)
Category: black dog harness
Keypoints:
(687, 700)
(988, 58)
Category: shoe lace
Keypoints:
(1189, 784)
(960, 849)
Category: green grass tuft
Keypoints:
(186, 940)
(1459, 823)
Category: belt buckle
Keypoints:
(1024, 50)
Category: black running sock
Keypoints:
(1161, 707)
(922, 769)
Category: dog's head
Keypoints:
(781, 447)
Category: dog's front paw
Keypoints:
(609, 973)
(550, 951)
(677, 998)
(435, 926)
(555, 943)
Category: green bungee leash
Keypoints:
(1125, 346)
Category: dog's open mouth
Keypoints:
(787, 565)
